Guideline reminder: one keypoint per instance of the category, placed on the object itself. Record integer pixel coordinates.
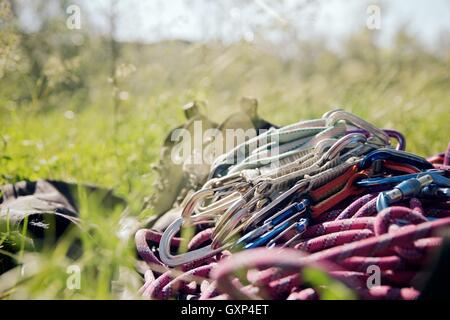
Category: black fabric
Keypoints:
(50, 208)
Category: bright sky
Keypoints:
(154, 20)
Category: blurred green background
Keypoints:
(90, 105)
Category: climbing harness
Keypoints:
(330, 193)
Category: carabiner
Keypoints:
(391, 133)
(343, 143)
(233, 215)
(337, 115)
(434, 191)
(406, 189)
(300, 227)
(269, 239)
(260, 215)
(175, 260)
(284, 215)
(396, 156)
(390, 181)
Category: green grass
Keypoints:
(397, 88)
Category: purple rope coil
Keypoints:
(344, 243)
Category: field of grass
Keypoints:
(403, 87)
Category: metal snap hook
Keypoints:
(343, 143)
(175, 260)
(338, 115)
(194, 199)
(395, 155)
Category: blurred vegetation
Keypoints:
(80, 106)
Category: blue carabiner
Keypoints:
(407, 189)
(300, 226)
(396, 156)
(389, 181)
(434, 191)
(274, 221)
(265, 238)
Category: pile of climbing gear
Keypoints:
(336, 194)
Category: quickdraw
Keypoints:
(330, 193)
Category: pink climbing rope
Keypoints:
(343, 243)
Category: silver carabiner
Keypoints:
(176, 260)
(337, 115)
